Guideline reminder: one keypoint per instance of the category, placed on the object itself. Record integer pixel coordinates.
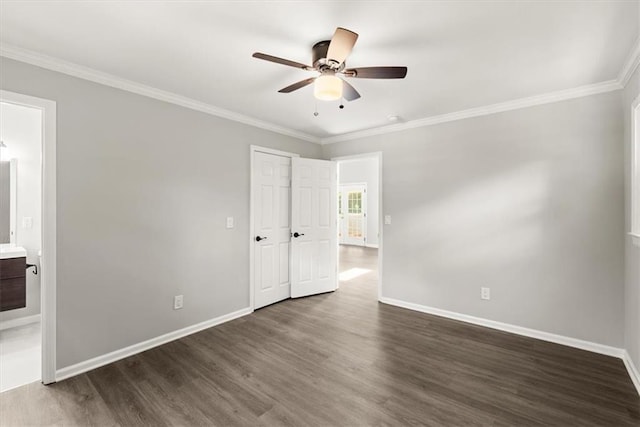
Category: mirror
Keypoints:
(8, 187)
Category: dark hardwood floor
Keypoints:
(340, 359)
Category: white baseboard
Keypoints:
(371, 245)
(519, 330)
(532, 333)
(633, 371)
(20, 321)
(105, 359)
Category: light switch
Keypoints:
(229, 222)
(387, 220)
(27, 222)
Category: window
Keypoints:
(355, 202)
(635, 171)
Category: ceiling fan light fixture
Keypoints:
(328, 87)
(329, 60)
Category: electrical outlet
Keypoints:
(229, 222)
(485, 293)
(177, 302)
(387, 220)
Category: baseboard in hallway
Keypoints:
(20, 321)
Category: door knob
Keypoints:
(296, 234)
(258, 238)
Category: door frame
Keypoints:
(366, 207)
(374, 155)
(49, 231)
(252, 150)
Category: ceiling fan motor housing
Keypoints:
(320, 61)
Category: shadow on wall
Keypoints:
(495, 218)
(524, 203)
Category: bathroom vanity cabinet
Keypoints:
(13, 289)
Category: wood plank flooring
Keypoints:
(340, 359)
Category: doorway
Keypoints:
(360, 231)
(28, 248)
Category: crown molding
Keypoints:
(630, 65)
(517, 104)
(86, 73)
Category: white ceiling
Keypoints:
(460, 55)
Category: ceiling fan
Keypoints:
(328, 58)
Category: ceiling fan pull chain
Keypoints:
(315, 112)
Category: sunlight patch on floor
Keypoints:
(352, 273)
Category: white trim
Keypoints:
(13, 201)
(635, 171)
(371, 245)
(252, 150)
(620, 353)
(86, 73)
(519, 330)
(630, 65)
(114, 356)
(517, 104)
(48, 259)
(20, 321)
(633, 371)
(348, 184)
(72, 69)
(635, 238)
(257, 148)
(375, 155)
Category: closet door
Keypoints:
(314, 224)
(272, 227)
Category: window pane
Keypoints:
(355, 227)
(355, 202)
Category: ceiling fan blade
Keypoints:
(341, 44)
(296, 86)
(282, 61)
(349, 92)
(377, 72)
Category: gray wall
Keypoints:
(364, 171)
(21, 129)
(527, 202)
(632, 253)
(144, 188)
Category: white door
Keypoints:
(353, 214)
(272, 227)
(314, 245)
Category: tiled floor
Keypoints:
(20, 356)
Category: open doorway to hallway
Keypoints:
(20, 245)
(359, 223)
(28, 241)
